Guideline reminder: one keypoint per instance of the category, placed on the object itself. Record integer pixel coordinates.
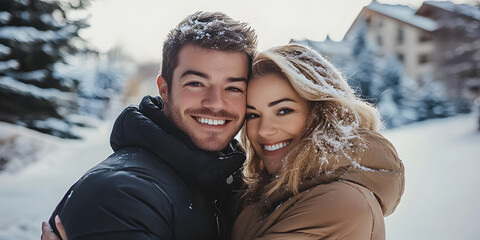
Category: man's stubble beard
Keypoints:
(212, 141)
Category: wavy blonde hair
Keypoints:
(336, 115)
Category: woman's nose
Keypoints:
(266, 128)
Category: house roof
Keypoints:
(327, 47)
(405, 14)
(463, 9)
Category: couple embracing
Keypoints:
(311, 163)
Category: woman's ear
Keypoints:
(162, 88)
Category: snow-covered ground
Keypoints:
(441, 199)
(28, 197)
(442, 192)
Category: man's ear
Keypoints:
(162, 87)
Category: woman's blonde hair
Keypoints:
(336, 116)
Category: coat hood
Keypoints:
(379, 169)
(147, 127)
(376, 166)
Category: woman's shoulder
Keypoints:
(376, 141)
(339, 198)
(339, 210)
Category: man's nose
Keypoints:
(214, 99)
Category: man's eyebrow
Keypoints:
(203, 75)
(279, 101)
(191, 72)
(240, 79)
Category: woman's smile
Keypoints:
(272, 149)
(275, 119)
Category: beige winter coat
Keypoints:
(350, 203)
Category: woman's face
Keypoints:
(276, 116)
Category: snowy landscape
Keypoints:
(60, 93)
(441, 158)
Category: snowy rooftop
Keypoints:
(327, 47)
(464, 9)
(404, 14)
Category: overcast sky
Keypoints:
(140, 26)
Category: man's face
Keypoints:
(208, 95)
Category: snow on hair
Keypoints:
(336, 117)
(212, 30)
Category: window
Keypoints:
(379, 40)
(424, 37)
(423, 58)
(400, 57)
(400, 35)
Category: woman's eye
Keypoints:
(251, 116)
(284, 111)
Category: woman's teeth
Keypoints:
(276, 146)
(211, 121)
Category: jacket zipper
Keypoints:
(217, 213)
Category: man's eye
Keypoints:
(251, 116)
(195, 84)
(234, 89)
(284, 111)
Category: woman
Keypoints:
(316, 167)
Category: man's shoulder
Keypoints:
(135, 171)
(114, 199)
(137, 162)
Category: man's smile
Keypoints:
(211, 122)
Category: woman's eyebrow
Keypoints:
(273, 103)
(279, 101)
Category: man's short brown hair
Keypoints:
(212, 30)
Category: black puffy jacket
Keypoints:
(156, 184)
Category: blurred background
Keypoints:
(67, 69)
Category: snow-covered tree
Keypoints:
(35, 36)
(364, 68)
(433, 101)
(392, 76)
(459, 40)
(395, 90)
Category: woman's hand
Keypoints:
(48, 234)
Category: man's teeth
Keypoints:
(210, 121)
(275, 146)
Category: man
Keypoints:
(173, 157)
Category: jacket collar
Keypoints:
(376, 166)
(147, 127)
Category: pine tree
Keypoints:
(34, 37)
(392, 78)
(364, 66)
(460, 44)
(433, 101)
(396, 102)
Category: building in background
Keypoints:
(440, 41)
(457, 46)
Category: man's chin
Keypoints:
(211, 145)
